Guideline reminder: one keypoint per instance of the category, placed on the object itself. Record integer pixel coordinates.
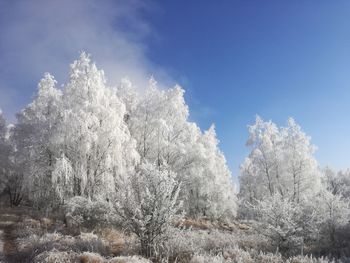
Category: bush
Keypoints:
(88, 257)
(55, 256)
(84, 213)
(133, 259)
(34, 245)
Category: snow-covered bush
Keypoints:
(83, 212)
(237, 255)
(34, 245)
(131, 259)
(308, 259)
(208, 259)
(89, 257)
(148, 204)
(279, 221)
(55, 256)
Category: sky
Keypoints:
(235, 59)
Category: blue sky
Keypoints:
(235, 59)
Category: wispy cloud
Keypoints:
(39, 36)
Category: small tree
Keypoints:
(334, 213)
(147, 203)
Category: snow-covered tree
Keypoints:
(214, 193)
(299, 162)
(337, 182)
(4, 150)
(83, 139)
(261, 170)
(278, 220)
(11, 182)
(164, 135)
(147, 203)
(96, 146)
(34, 137)
(333, 212)
(281, 161)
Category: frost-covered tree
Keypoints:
(35, 139)
(281, 161)
(4, 151)
(261, 171)
(299, 163)
(344, 178)
(75, 141)
(83, 139)
(333, 212)
(337, 182)
(159, 123)
(11, 180)
(147, 203)
(96, 146)
(214, 193)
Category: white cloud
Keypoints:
(41, 35)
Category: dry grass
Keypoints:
(88, 257)
(55, 256)
(46, 222)
(207, 224)
(133, 259)
(30, 222)
(114, 239)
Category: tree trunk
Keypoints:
(146, 247)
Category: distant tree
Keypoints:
(334, 213)
(147, 203)
(299, 163)
(4, 151)
(281, 161)
(337, 182)
(11, 182)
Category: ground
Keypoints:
(8, 220)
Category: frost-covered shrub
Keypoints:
(132, 259)
(207, 259)
(308, 259)
(148, 204)
(238, 255)
(184, 242)
(279, 221)
(55, 256)
(34, 245)
(88, 257)
(82, 212)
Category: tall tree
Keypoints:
(95, 139)
(35, 138)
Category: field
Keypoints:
(27, 236)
